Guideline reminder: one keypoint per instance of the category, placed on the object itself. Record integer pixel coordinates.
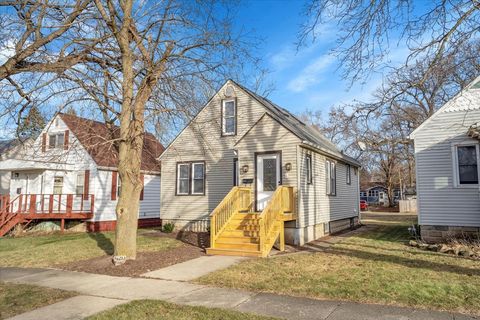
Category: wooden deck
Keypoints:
(25, 208)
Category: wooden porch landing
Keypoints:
(25, 208)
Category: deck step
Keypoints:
(234, 252)
(244, 227)
(240, 233)
(237, 246)
(238, 239)
(246, 216)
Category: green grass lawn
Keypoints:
(57, 248)
(152, 309)
(374, 267)
(20, 298)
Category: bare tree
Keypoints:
(368, 31)
(142, 63)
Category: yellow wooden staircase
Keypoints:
(237, 231)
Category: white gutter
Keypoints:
(116, 169)
(326, 152)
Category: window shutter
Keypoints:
(142, 177)
(114, 185)
(44, 142)
(65, 140)
(86, 185)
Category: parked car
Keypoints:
(363, 205)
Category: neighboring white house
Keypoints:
(74, 160)
(448, 166)
(242, 139)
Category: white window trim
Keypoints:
(309, 164)
(328, 175)
(178, 179)
(349, 174)
(224, 119)
(193, 178)
(80, 183)
(56, 135)
(456, 173)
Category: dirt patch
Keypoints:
(192, 247)
(145, 262)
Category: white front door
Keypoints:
(268, 177)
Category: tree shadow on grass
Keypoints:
(403, 261)
(103, 242)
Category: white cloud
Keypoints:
(311, 74)
(7, 49)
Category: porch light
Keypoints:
(245, 169)
(288, 166)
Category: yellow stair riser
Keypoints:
(246, 217)
(237, 246)
(226, 239)
(244, 223)
(243, 228)
(240, 233)
(230, 252)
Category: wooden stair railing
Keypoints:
(271, 220)
(237, 200)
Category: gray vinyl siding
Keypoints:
(268, 135)
(440, 203)
(315, 206)
(202, 140)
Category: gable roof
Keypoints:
(98, 141)
(5, 145)
(467, 99)
(308, 134)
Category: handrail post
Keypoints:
(212, 232)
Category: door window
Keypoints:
(58, 185)
(269, 174)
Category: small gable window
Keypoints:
(229, 117)
(56, 141)
(308, 164)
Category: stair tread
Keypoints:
(235, 250)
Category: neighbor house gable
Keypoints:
(467, 99)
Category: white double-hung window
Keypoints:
(466, 164)
(331, 177)
(229, 117)
(191, 178)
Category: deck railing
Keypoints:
(237, 200)
(48, 204)
(271, 221)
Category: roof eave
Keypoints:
(324, 151)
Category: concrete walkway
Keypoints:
(104, 292)
(193, 269)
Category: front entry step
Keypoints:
(241, 237)
(234, 252)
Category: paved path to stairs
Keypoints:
(102, 292)
(193, 269)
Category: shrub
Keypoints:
(168, 227)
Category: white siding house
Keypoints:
(73, 158)
(240, 138)
(448, 167)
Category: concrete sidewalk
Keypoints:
(193, 269)
(106, 291)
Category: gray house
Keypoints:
(447, 161)
(242, 146)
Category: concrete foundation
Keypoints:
(434, 234)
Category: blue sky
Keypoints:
(306, 78)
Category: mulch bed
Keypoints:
(193, 247)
